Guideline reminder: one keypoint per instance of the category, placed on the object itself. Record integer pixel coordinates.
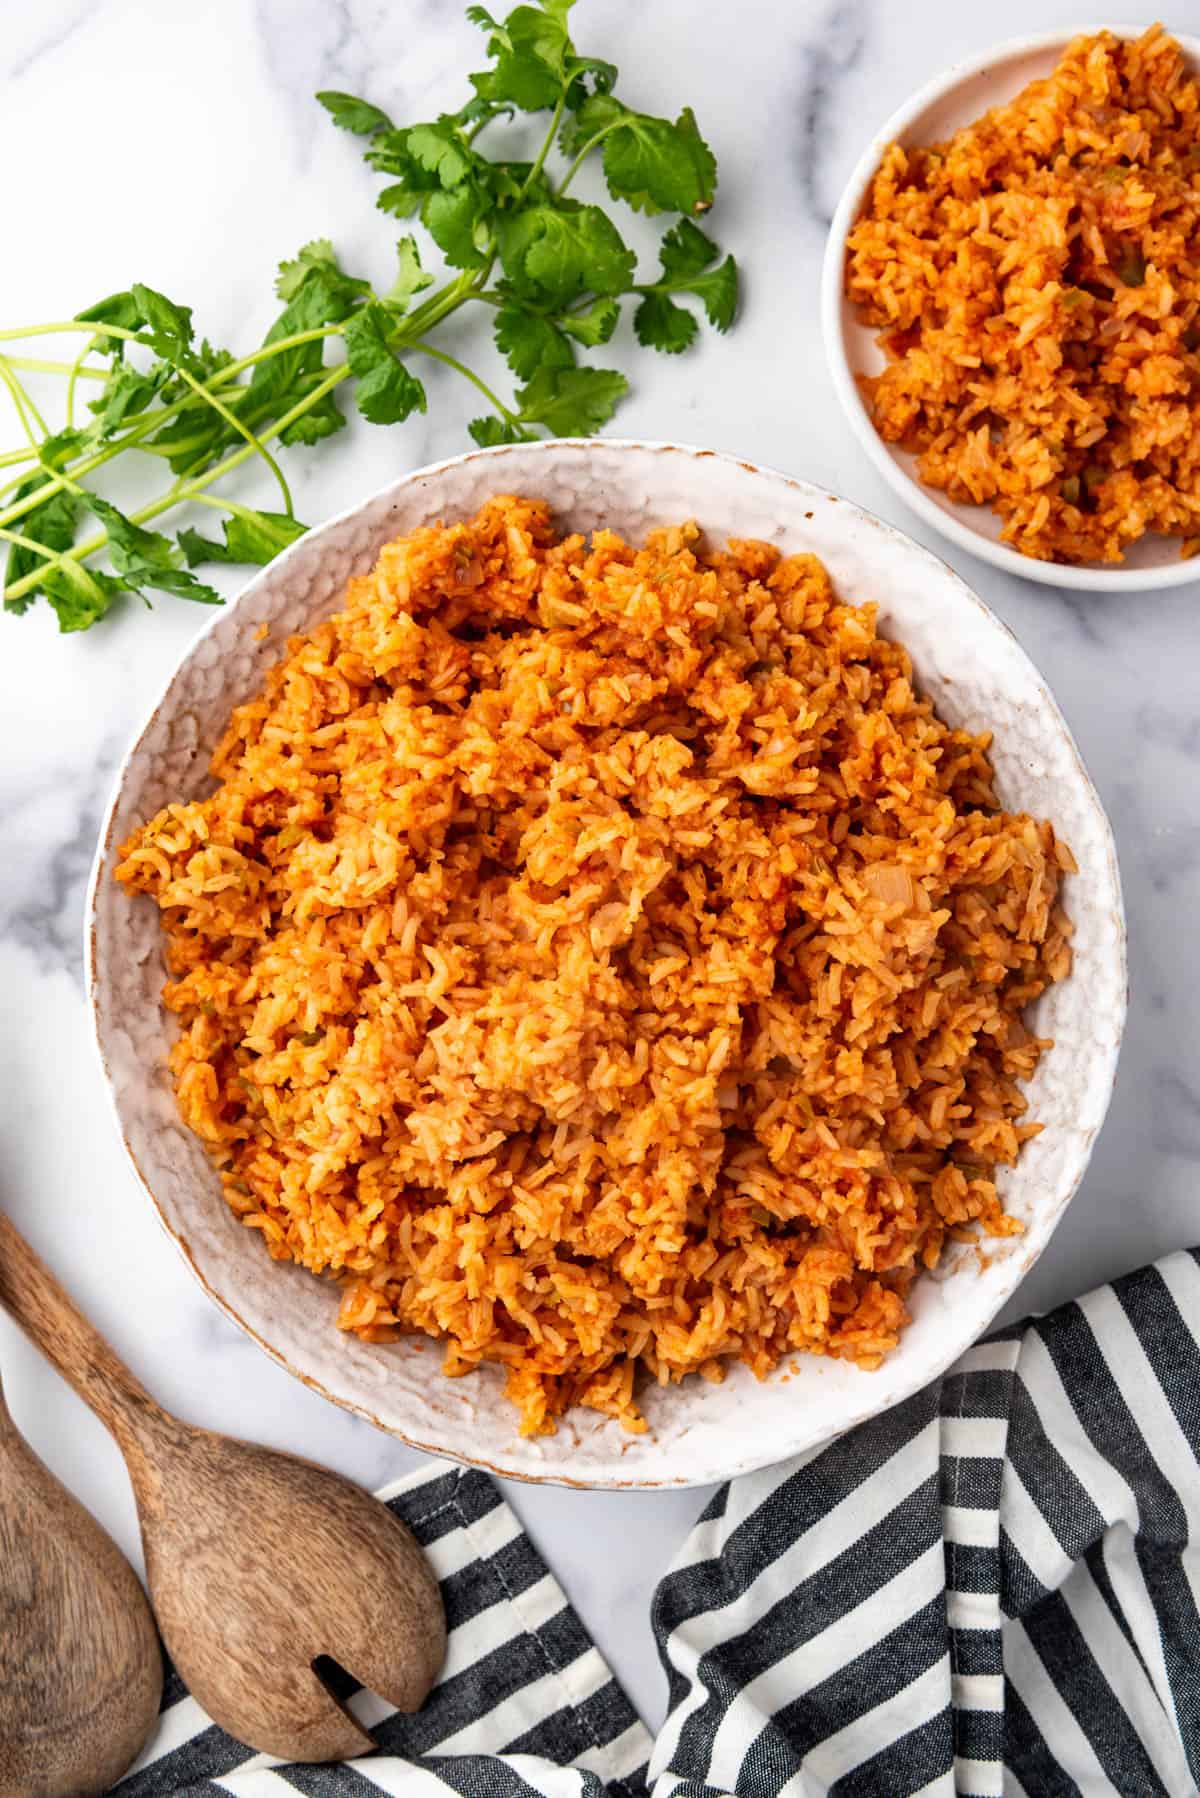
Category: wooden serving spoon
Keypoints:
(260, 1566)
(80, 1669)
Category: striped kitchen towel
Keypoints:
(992, 1589)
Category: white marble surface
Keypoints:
(179, 146)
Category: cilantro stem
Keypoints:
(18, 455)
(89, 325)
(663, 287)
(154, 420)
(244, 430)
(36, 366)
(221, 505)
(427, 349)
(197, 484)
(584, 153)
(264, 353)
(431, 312)
(21, 400)
(55, 480)
(183, 489)
(445, 301)
(23, 404)
(51, 558)
(78, 369)
(227, 373)
(27, 543)
(448, 297)
(551, 134)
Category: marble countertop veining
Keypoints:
(182, 148)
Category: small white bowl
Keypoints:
(979, 677)
(934, 113)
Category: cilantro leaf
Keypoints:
(529, 50)
(203, 363)
(116, 309)
(654, 165)
(385, 389)
(660, 167)
(56, 451)
(293, 269)
(120, 309)
(399, 200)
(353, 114)
(550, 254)
(595, 324)
(662, 325)
(489, 431)
(321, 256)
(258, 537)
(323, 420)
(146, 558)
(81, 598)
(131, 542)
(718, 292)
(684, 251)
(571, 402)
(452, 218)
(390, 154)
(478, 111)
(168, 327)
(439, 149)
(411, 279)
(52, 523)
(595, 114)
(173, 580)
(197, 548)
(685, 255)
(193, 438)
(126, 392)
(528, 342)
(322, 295)
(603, 74)
(160, 322)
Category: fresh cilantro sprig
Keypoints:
(551, 271)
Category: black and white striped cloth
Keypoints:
(992, 1589)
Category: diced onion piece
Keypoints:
(889, 883)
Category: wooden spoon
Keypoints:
(260, 1565)
(80, 1669)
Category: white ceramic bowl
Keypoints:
(978, 675)
(934, 113)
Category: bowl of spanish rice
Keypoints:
(1011, 307)
(607, 962)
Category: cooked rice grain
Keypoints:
(1035, 283)
(601, 959)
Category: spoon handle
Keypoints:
(34, 1299)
